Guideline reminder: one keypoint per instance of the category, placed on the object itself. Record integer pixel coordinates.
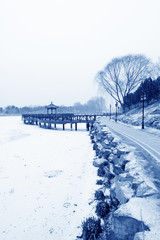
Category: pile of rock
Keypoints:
(118, 186)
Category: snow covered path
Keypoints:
(46, 181)
(148, 141)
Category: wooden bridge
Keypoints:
(47, 120)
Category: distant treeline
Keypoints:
(151, 90)
(94, 105)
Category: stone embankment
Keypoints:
(123, 192)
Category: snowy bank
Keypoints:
(151, 114)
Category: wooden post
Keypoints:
(87, 126)
(63, 126)
(76, 126)
(55, 125)
(71, 126)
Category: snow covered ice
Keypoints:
(46, 181)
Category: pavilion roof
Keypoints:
(51, 106)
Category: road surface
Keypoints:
(147, 145)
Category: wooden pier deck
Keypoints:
(47, 120)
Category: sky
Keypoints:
(52, 50)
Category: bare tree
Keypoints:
(123, 75)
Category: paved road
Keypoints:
(147, 145)
(149, 142)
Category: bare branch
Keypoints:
(123, 75)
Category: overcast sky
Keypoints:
(51, 50)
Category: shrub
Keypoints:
(107, 183)
(91, 229)
(99, 182)
(102, 209)
(114, 202)
(104, 164)
(101, 171)
(99, 195)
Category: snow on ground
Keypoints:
(46, 181)
(151, 114)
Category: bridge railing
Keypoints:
(59, 117)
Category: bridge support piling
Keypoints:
(87, 126)
(91, 125)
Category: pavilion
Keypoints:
(51, 107)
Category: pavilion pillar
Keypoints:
(55, 125)
(63, 126)
(76, 126)
(71, 126)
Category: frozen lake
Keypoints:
(46, 181)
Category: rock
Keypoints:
(123, 191)
(114, 203)
(139, 236)
(110, 176)
(107, 183)
(120, 152)
(115, 160)
(111, 156)
(106, 154)
(95, 146)
(145, 190)
(125, 177)
(101, 172)
(125, 227)
(112, 191)
(117, 170)
(106, 144)
(135, 186)
(123, 164)
(110, 138)
(98, 161)
(114, 144)
(99, 146)
(97, 152)
(92, 141)
(122, 160)
(107, 192)
(92, 136)
(99, 136)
